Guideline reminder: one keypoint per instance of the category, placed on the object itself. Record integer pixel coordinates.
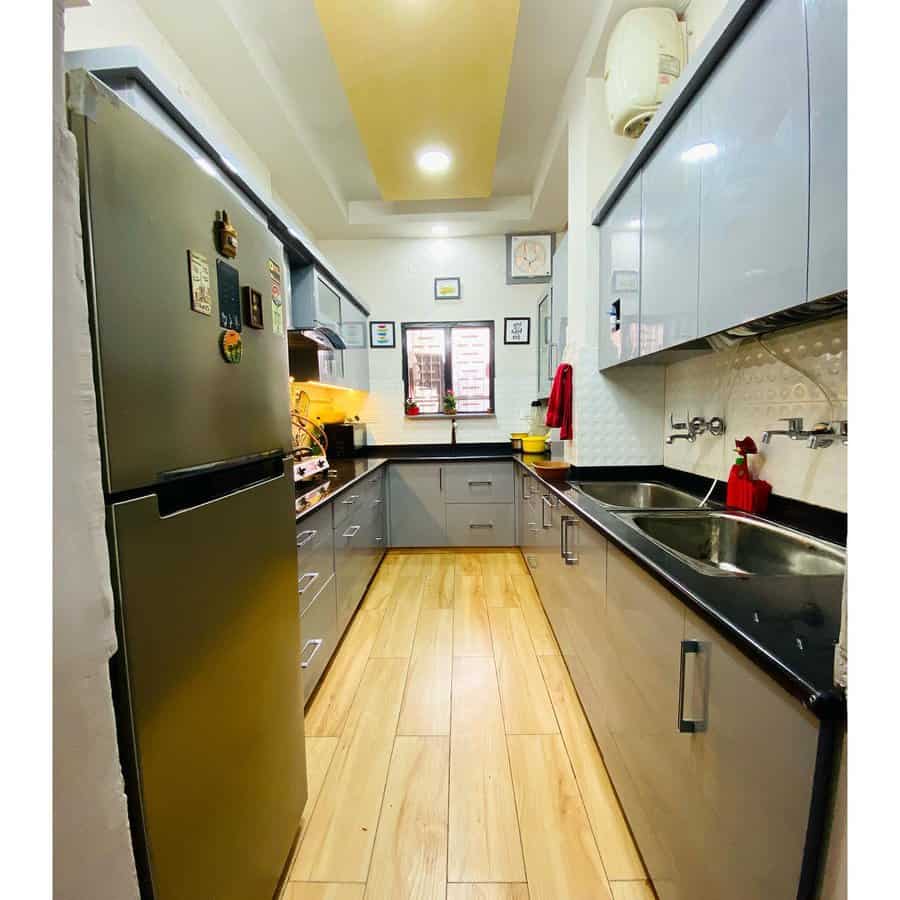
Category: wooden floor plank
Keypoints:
(523, 694)
(471, 628)
(632, 890)
(560, 854)
(535, 617)
(410, 855)
(499, 590)
(341, 832)
(467, 564)
(617, 850)
(319, 891)
(484, 831)
(398, 628)
(381, 591)
(434, 632)
(426, 702)
(326, 715)
(319, 751)
(487, 892)
(438, 593)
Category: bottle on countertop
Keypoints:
(743, 491)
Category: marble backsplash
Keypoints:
(797, 372)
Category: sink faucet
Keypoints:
(453, 431)
(794, 431)
(689, 437)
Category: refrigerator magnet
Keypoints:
(229, 296)
(253, 313)
(277, 300)
(231, 346)
(198, 272)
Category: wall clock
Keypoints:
(529, 258)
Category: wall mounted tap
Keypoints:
(695, 425)
(794, 431)
(689, 437)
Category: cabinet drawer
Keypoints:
(315, 554)
(318, 633)
(481, 524)
(372, 492)
(479, 483)
(348, 506)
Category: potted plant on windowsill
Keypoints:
(449, 404)
(411, 407)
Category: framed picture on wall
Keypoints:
(447, 289)
(517, 330)
(382, 334)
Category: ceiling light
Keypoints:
(434, 161)
(440, 230)
(699, 152)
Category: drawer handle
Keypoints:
(481, 524)
(350, 500)
(568, 555)
(526, 495)
(351, 531)
(379, 500)
(379, 540)
(546, 503)
(310, 533)
(480, 483)
(312, 576)
(687, 726)
(316, 644)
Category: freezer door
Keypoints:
(168, 400)
(208, 620)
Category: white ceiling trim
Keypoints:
(499, 209)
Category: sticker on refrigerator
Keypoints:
(277, 299)
(253, 313)
(231, 346)
(229, 296)
(198, 270)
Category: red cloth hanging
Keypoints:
(559, 408)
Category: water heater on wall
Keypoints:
(645, 56)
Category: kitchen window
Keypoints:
(449, 356)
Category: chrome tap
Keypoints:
(794, 431)
(453, 431)
(690, 437)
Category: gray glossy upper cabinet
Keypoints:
(355, 332)
(754, 204)
(544, 344)
(559, 328)
(620, 278)
(417, 509)
(670, 237)
(826, 23)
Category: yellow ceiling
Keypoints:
(424, 74)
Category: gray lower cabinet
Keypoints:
(716, 782)
(417, 505)
(484, 482)
(481, 524)
(319, 633)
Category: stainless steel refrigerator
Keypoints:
(200, 513)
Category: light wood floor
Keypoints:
(448, 754)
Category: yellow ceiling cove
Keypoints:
(423, 75)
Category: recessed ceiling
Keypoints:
(425, 75)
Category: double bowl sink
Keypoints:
(711, 540)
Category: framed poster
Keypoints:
(517, 330)
(447, 289)
(382, 334)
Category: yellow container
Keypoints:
(535, 443)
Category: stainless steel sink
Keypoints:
(637, 495)
(727, 543)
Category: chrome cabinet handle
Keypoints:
(525, 494)
(533, 527)
(481, 524)
(310, 534)
(312, 576)
(378, 500)
(379, 540)
(546, 503)
(316, 643)
(570, 558)
(550, 348)
(350, 500)
(352, 531)
(441, 479)
(480, 483)
(687, 726)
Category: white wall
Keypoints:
(698, 18)
(91, 843)
(796, 372)
(396, 277)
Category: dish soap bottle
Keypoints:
(743, 492)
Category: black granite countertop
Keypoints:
(343, 473)
(787, 624)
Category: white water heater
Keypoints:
(646, 54)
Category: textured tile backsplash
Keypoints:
(797, 372)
